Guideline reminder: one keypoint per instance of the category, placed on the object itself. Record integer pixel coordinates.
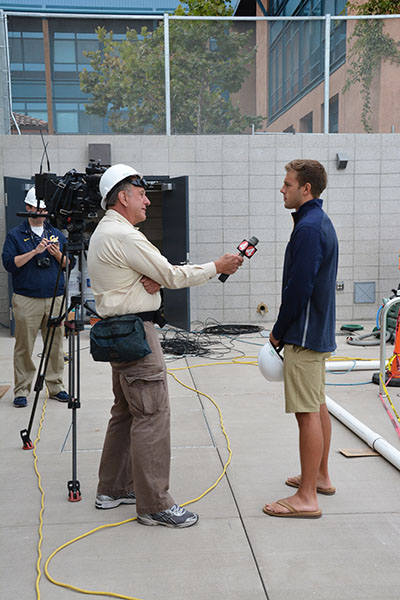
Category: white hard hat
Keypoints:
(112, 176)
(30, 199)
(270, 363)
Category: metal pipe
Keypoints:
(123, 17)
(167, 76)
(86, 15)
(7, 59)
(326, 71)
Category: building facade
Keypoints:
(290, 70)
(46, 55)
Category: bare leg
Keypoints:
(311, 442)
(323, 478)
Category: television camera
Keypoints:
(72, 199)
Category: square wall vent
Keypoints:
(364, 292)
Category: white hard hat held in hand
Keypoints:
(270, 363)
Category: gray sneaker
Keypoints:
(103, 501)
(176, 516)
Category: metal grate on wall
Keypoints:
(364, 292)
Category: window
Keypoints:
(296, 51)
(306, 123)
(26, 51)
(333, 114)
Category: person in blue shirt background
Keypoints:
(32, 253)
(306, 326)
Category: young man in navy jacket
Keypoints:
(306, 327)
(32, 254)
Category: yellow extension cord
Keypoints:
(246, 360)
(111, 594)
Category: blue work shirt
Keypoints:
(30, 279)
(307, 316)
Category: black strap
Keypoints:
(152, 315)
(147, 316)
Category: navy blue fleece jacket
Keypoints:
(307, 315)
(31, 280)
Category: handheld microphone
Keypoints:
(246, 248)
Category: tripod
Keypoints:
(75, 246)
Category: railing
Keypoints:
(212, 75)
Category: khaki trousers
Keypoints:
(31, 315)
(137, 452)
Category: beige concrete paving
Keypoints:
(235, 551)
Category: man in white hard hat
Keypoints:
(32, 254)
(126, 272)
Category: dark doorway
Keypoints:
(15, 191)
(167, 227)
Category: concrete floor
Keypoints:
(235, 551)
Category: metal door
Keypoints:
(175, 237)
(15, 190)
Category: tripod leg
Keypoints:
(74, 327)
(39, 383)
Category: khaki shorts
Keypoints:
(304, 378)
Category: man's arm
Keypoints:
(22, 259)
(144, 258)
(225, 264)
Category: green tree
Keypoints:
(370, 46)
(208, 63)
(205, 8)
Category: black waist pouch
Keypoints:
(118, 339)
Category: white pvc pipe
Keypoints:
(374, 440)
(352, 365)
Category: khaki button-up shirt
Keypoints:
(119, 255)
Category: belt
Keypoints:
(152, 315)
(147, 316)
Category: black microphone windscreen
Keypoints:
(253, 241)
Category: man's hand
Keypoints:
(151, 286)
(54, 249)
(273, 340)
(228, 263)
(42, 246)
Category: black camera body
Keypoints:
(71, 199)
(43, 262)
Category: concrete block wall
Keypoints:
(234, 184)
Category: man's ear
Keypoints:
(122, 197)
(307, 189)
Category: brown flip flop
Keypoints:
(293, 512)
(325, 491)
